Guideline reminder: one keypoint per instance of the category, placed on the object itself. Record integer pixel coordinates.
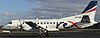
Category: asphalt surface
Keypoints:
(79, 33)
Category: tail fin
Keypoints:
(89, 12)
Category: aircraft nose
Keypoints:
(4, 27)
(1, 27)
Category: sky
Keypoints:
(32, 9)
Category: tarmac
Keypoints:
(77, 33)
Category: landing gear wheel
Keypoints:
(43, 32)
(40, 32)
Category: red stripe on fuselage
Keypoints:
(91, 10)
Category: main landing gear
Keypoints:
(43, 32)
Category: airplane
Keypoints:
(83, 20)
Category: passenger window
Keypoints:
(41, 22)
(50, 22)
(38, 23)
(53, 22)
(47, 22)
(44, 23)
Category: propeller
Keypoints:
(21, 27)
(24, 26)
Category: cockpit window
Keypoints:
(10, 23)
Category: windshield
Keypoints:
(10, 23)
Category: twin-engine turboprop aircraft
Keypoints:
(83, 20)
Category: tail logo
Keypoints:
(91, 7)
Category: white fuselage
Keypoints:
(49, 24)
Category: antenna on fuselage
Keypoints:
(37, 18)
